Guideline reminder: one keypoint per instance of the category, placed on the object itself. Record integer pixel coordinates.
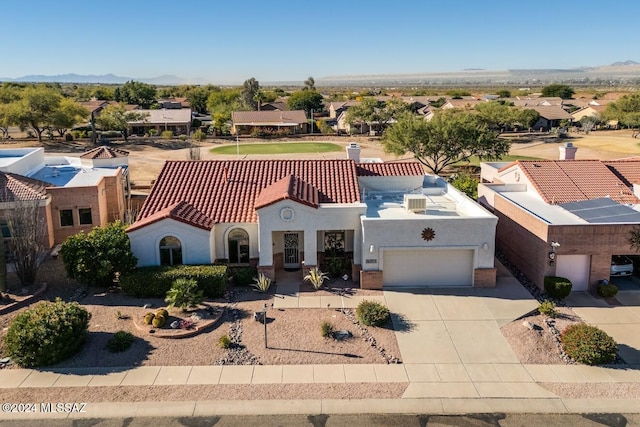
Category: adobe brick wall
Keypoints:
(526, 241)
(484, 277)
(74, 198)
(114, 197)
(371, 279)
(522, 238)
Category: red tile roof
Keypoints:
(181, 211)
(225, 191)
(561, 181)
(390, 169)
(627, 170)
(16, 187)
(104, 152)
(288, 188)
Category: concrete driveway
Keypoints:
(457, 325)
(451, 344)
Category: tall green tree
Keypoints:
(627, 111)
(138, 93)
(221, 103)
(67, 115)
(250, 89)
(116, 117)
(562, 91)
(306, 100)
(35, 108)
(451, 136)
(93, 258)
(371, 110)
(197, 97)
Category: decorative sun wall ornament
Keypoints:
(428, 234)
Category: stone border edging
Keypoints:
(199, 328)
(18, 304)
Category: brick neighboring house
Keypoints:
(247, 122)
(394, 224)
(563, 217)
(75, 193)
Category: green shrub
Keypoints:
(159, 321)
(47, 334)
(607, 291)
(111, 134)
(199, 135)
(262, 283)
(372, 313)
(588, 344)
(162, 312)
(337, 266)
(184, 294)
(243, 276)
(182, 137)
(155, 282)
(557, 287)
(148, 318)
(326, 329)
(225, 342)
(316, 278)
(120, 341)
(166, 134)
(548, 308)
(153, 132)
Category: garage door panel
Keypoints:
(576, 269)
(417, 268)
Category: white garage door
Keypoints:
(418, 268)
(575, 268)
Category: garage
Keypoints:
(576, 269)
(420, 267)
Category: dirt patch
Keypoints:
(594, 390)
(538, 346)
(206, 392)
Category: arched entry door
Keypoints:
(238, 246)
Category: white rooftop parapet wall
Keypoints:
(21, 161)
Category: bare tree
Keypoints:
(28, 230)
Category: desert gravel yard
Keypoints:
(294, 335)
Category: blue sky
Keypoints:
(284, 40)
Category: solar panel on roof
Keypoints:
(603, 210)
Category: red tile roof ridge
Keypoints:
(288, 188)
(104, 152)
(18, 187)
(182, 212)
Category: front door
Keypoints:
(291, 252)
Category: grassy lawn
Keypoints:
(279, 148)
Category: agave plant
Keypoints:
(262, 283)
(316, 278)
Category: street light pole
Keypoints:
(264, 320)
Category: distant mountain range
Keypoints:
(620, 71)
(165, 79)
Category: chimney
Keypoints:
(353, 152)
(568, 151)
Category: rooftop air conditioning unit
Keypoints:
(415, 202)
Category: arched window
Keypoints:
(238, 246)
(170, 251)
